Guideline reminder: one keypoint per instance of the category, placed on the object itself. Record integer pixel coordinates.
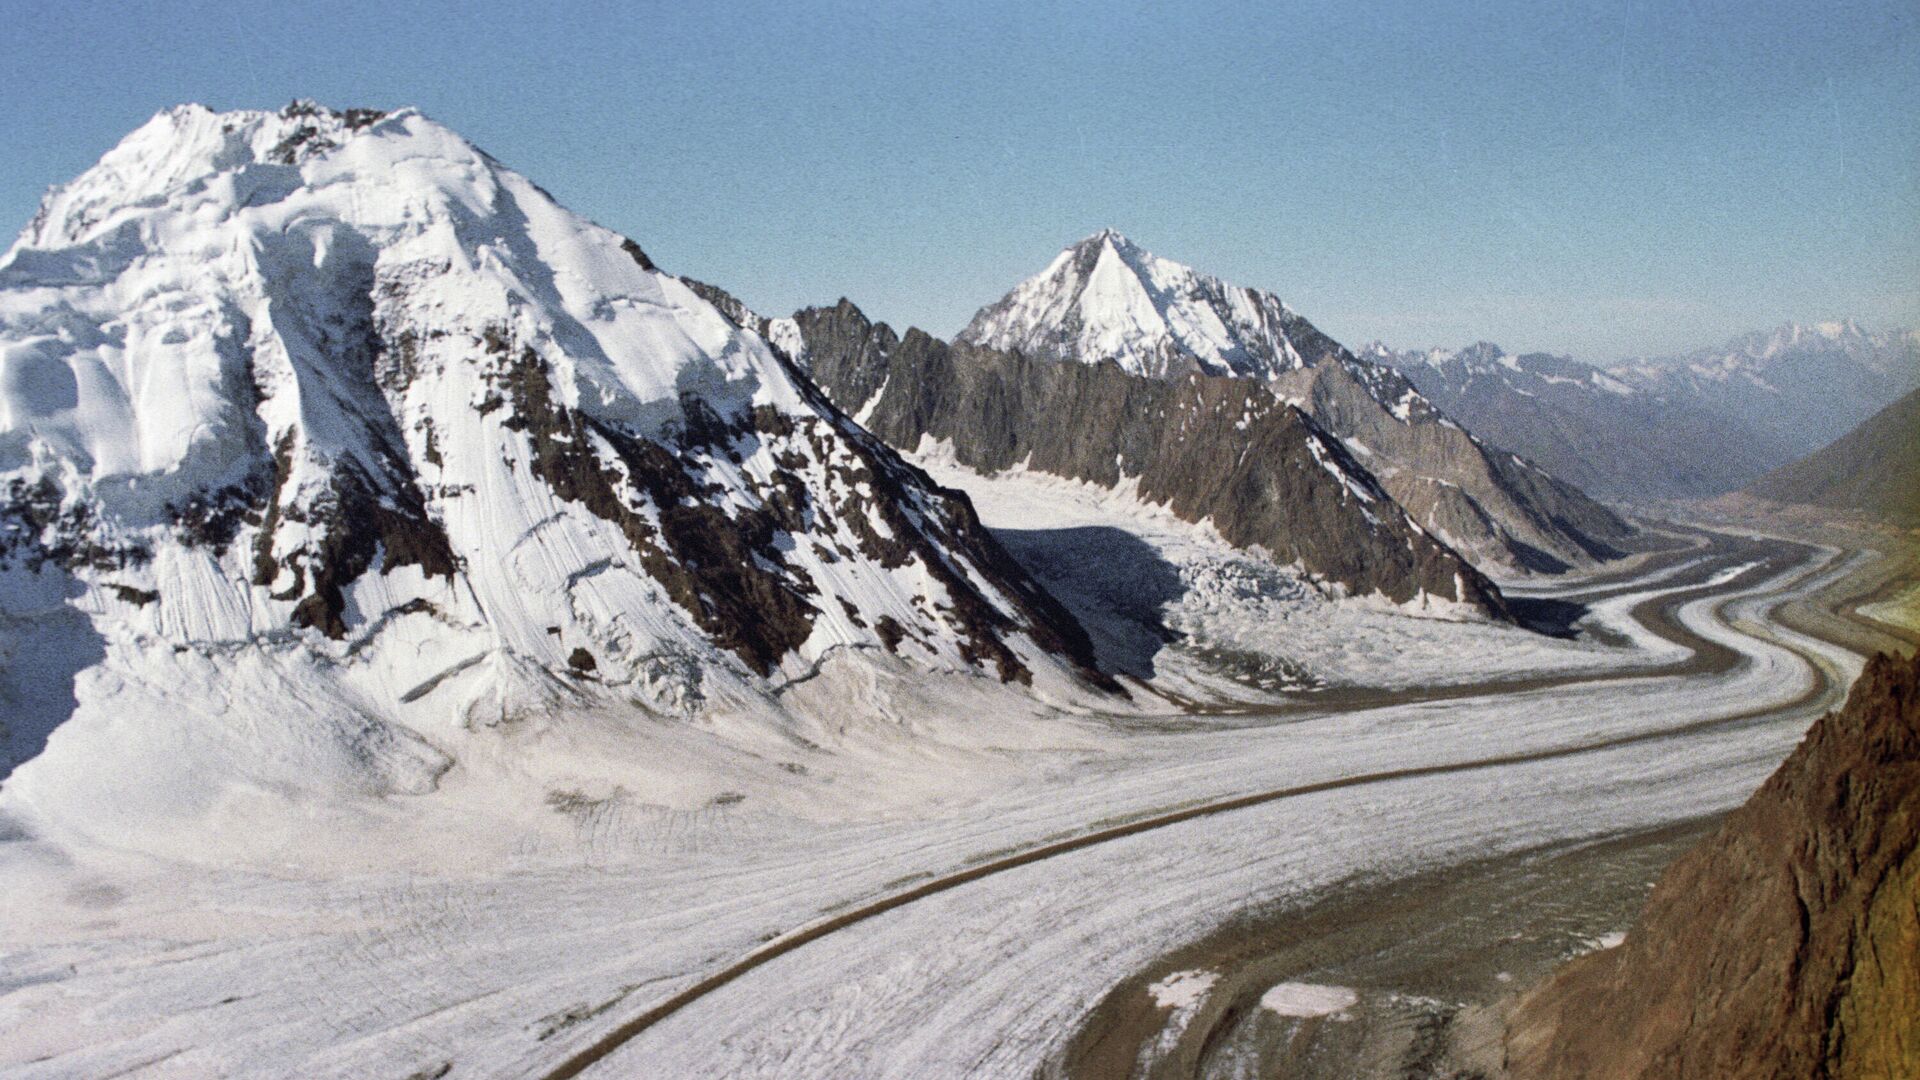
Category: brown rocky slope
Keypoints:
(1787, 944)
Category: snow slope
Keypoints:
(114, 965)
(329, 444)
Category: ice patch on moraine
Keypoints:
(1612, 940)
(1183, 989)
(1309, 1000)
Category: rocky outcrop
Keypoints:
(1212, 448)
(1785, 945)
(1491, 505)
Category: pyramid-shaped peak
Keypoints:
(1106, 298)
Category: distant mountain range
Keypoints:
(1681, 427)
(1805, 385)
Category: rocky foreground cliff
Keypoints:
(1787, 944)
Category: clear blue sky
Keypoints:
(1608, 178)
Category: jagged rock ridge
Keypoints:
(1212, 448)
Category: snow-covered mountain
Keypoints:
(1804, 384)
(1105, 299)
(1530, 374)
(1596, 430)
(331, 410)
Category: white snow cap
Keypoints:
(1107, 298)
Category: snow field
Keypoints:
(398, 971)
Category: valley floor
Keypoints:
(974, 935)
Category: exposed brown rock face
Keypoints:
(1212, 448)
(1785, 945)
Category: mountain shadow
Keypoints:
(41, 656)
(1113, 582)
(1545, 615)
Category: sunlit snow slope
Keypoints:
(321, 432)
(1108, 298)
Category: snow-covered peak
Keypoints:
(190, 149)
(1107, 298)
(326, 378)
(272, 226)
(1113, 238)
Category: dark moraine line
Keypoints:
(1661, 608)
